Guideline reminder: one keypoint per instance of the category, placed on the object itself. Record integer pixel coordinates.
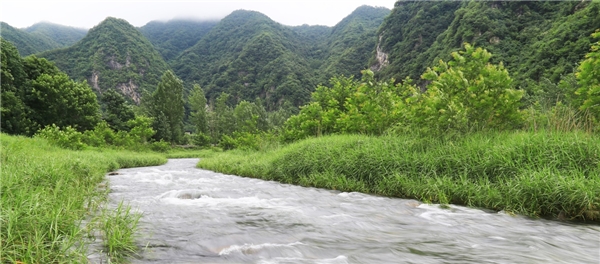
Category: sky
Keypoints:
(88, 13)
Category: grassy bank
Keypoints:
(45, 193)
(536, 174)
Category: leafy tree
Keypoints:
(116, 111)
(141, 129)
(468, 93)
(167, 108)
(14, 113)
(197, 102)
(56, 99)
(222, 119)
(588, 76)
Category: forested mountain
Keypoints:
(113, 55)
(352, 41)
(534, 39)
(171, 38)
(64, 36)
(25, 42)
(250, 56)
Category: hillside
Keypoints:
(64, 36)
(534, 40)
(25, 42)
(352, 41)
(250, 56)
(171, 38)
(113, 55)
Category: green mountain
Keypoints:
(26, 42)
(534, 39)
(64, 36)
(352, 41)
(113, 55)
(250, 56)
(171, 38)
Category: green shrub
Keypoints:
(468, 93)
(68, 137)
(588, 76)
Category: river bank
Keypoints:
(542, 174)
(46, 192)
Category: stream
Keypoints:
(191, 215)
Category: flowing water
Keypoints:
(197, 216)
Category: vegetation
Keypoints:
(249, 56)
(167, 107)
(27, 43)
(36, 94)
(47, 191)
(465, 140)
(64, 36)
(113, 55)
(454, 127)
(548, 174)
(171, 38)
(534, 39)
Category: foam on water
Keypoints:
(205, 217)
(247, 249)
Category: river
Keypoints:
(198, 216)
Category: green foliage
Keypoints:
(27, 43)
(534, 39)
(113, 55)
(167, 108)
(116, 111)
(171, 38)
(468, 93)
(47, 192)
(14, 113)
(197, 105)
(67, 138)
(62, 35)
(141, 129)
(103, 136)
(249, 56)
(349, 106)
(56, 99)
(351, 42)
(535, 174)
(588, 76)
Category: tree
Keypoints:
(116, 111)
(469, 93)
(167, 108)
(222, 118)
(197, 103)
(56, 99)
(588, 76)
(13, 118)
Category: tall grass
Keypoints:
(46, 191)
(548, 174)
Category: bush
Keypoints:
(68, 137)
(468, 93)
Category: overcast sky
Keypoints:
(88, 13)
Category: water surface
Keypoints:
(198, 216)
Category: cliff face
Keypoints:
(534, 39)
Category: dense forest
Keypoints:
(250, 71)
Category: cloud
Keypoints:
(87, 14)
